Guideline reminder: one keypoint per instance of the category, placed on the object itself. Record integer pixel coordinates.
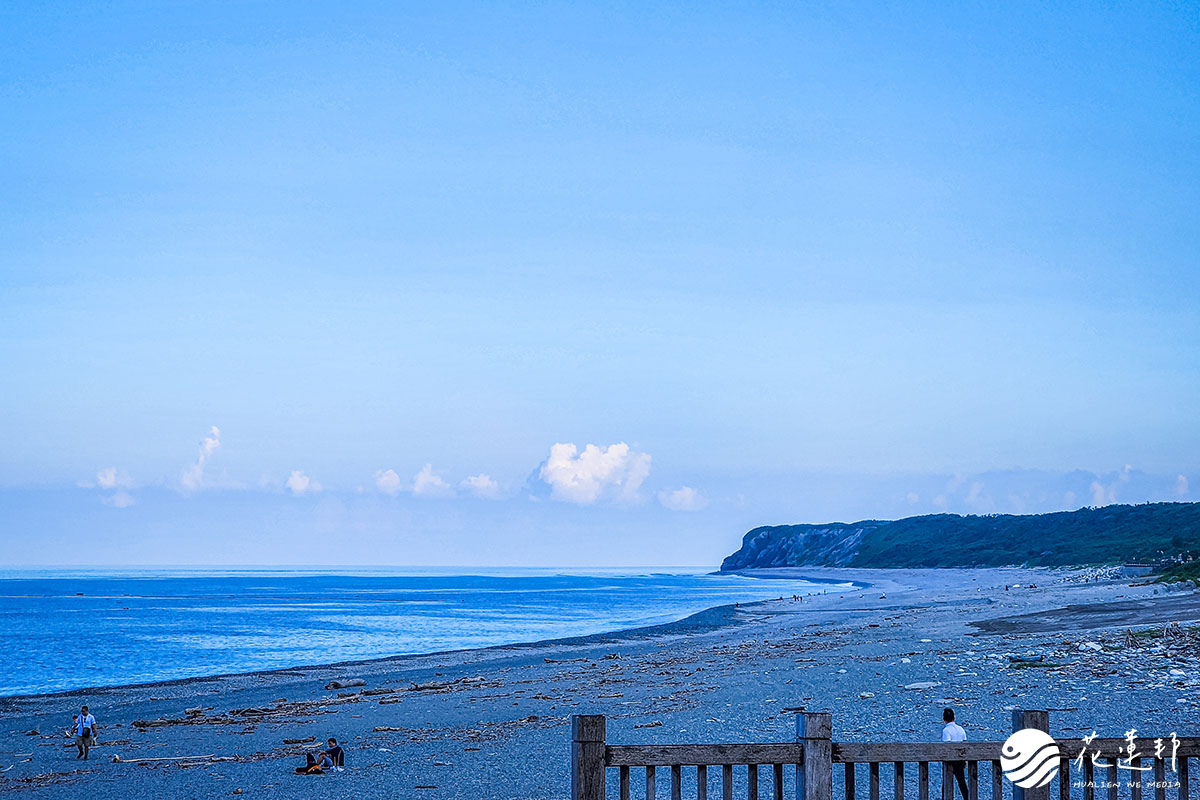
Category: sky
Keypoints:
(585, 284)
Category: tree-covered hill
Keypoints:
(1107, 535)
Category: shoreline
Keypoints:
(883, 657)
(713, 617)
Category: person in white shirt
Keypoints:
(85, 731)
(953, 732)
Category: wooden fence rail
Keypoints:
(811, 759)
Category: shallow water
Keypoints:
(62, 631)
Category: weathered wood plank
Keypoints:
(701, 782)
(1182, 766)
(676, 782)
(1135, 778)
(666, 755)
(624, 783)
(1160, 780)
(777, 785)
(860, 752)
(923, 780)
(849, 780)
(1112, 780)
(1038, 720)
(997, 783)
(752, 782)
(1089, 791)
(816, 731)
(873, 780)
(898, 784)
(727, 782)
(973, 780)
(587, 757)
(1116, 747)
(651, 787)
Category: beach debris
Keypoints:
(194, 712)
(1025, 659)
(906, 660)
(918, 685)
(563, 660)
(655, 724)
(865, 695)
(209, 757)
(237, 791)
(431, 686)
(926, 641)
(386, 729)
(1090, 646)
(346, 684)
(305, 740)
(34, 732)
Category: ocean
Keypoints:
(62, 630)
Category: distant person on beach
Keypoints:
(337, 756)
(953, 732)
(85, 733)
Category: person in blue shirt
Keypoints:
(85, 733)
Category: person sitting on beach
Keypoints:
(315, 765)
(84, 728)
(953, 732)
(337, 756)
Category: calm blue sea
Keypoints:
(68, 630)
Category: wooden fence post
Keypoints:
(814, 781)
(1041, 721)
(587, 757)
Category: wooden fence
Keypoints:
(814, 753)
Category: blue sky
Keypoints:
(796, 262)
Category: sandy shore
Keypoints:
(494, 723)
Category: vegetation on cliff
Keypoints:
(1150, 533)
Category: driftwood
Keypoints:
(118, 760)
(346, 684)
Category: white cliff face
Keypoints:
(797, 545)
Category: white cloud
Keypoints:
(426, 484)
(119, 499)
(913, 498)
(614, 471)
(388, 482)
(193, 476)
(113, 478)
(977, 499)
(481, 486)
(1181, 485)
(685, 498)
(1107, 495)
(299, 483)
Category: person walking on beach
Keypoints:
(953, 732)
(85, 732)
